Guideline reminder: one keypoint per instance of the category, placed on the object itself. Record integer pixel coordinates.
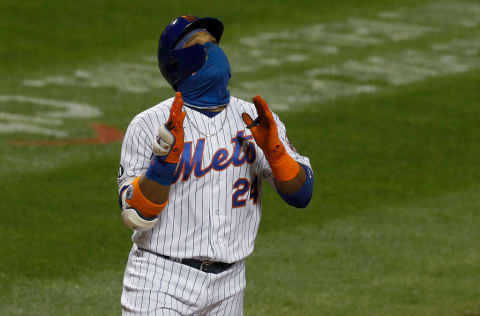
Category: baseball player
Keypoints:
(190, 181)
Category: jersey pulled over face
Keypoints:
(214, 206)
(207, 88)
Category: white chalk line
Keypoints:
(6, 116)
(127, 76)
(48, 112)
(300, 45)
(399, 69)
(10, 128)
(70, 109)
(307, 44)
(443, 14)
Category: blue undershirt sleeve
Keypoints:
(302, 197)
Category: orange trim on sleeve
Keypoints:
(284, 168)
(141, 203)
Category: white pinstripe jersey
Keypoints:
(214, 207)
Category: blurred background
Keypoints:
(382, 95)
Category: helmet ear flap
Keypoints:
(183, 62)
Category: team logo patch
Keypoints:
(129, 193)
(190, 18)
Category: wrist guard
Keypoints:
(138, 212)
(160, 171)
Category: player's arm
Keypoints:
(294, 181)
(147, 195)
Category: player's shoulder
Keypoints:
(152, 117)
(241, 104)
(248, 107)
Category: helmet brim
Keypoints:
(212, 25)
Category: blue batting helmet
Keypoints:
(177, 64)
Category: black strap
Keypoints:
(204, 266)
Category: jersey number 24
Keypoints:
(242, 186)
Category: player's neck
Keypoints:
(209, 112)
(219, 109)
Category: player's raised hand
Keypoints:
(169, 143)
(264, 129)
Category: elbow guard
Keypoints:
(302, 197)
(138, 212)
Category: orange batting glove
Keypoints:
(169, 142)
(265, 132)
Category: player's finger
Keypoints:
(257, 101)
(175, 110)
(262, 109)
(265, 108)
(251, 124)
(247, 119)
(177, 103)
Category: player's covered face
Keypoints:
(207, 88)
(201, 38)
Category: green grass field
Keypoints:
(382, 95)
